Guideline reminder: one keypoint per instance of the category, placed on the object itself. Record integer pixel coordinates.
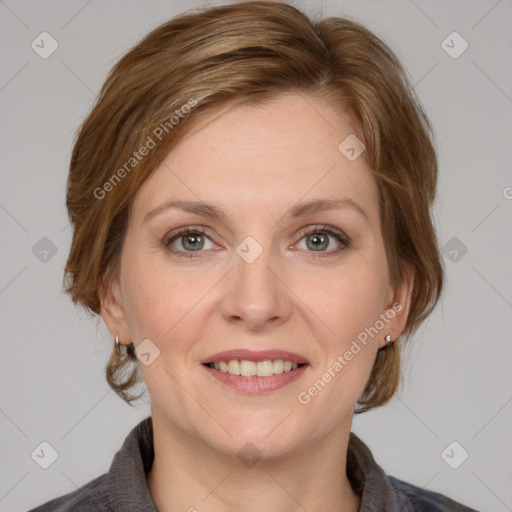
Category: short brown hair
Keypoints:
(242, 53)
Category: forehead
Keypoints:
(261, 158)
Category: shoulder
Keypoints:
(380, 491)
(427, 501)
(123, 488)
(91, 496)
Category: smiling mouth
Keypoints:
(246, 368)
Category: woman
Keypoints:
(250, 200)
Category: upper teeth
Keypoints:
(261, 368)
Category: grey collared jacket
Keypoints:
(124, 488)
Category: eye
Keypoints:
(191, 239)
(317, 239)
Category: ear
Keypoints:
(112, 311)
(399, 301)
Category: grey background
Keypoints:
(457, 378)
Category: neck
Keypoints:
(189, 475)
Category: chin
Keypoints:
(249, 449)
(266, 435)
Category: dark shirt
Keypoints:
(124, 488)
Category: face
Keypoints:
(262, 276)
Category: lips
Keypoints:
(256, 356)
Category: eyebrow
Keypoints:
(296, 211)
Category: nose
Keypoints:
(256, 294)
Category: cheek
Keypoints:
(349, 302)
(161, 304)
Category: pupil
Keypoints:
(319, 241)
(194, 246)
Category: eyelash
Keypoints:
(339, 236)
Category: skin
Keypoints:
(255, 162)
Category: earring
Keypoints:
(119, 346)
(388, 342)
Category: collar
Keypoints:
(128, 489)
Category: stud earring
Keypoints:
(389, 342)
